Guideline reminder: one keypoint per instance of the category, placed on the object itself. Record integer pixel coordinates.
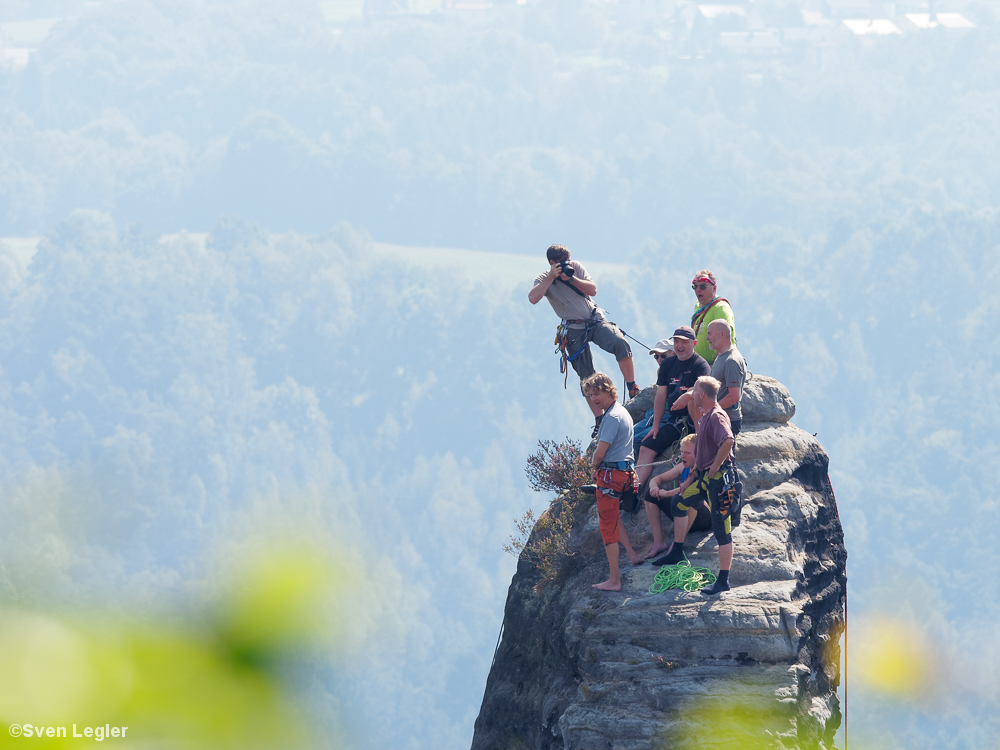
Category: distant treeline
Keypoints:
(559, 120)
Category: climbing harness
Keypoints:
(699, 315)
(562, 340)
(682, 576)
(732, 491)
(562, 336)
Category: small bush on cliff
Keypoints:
(544, 542)
(558, 467)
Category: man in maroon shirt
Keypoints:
(712, 458)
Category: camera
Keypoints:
(567, 269)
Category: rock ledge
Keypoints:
(580, 669)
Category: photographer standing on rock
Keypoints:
(569, 289)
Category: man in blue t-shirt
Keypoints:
(613, 472)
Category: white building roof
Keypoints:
(15, 57)
(947, 20)
(879, 26)
(715, 11)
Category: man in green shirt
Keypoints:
(708, 308)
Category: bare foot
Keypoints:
(635, 559)
(608, 586)
(657, 549)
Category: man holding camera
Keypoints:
(569, 289)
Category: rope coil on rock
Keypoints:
(682, 576)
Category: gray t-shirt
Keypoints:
(730, 369)
(616, 431)
(565, 301)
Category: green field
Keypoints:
(27, 33)
(506, 270)
(23, 248)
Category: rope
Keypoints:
(682, 576)
(497, 649)
(835, 505)
(632, 337)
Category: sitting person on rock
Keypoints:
(613, 471)
(680, 503)
(730, 369)
(709, 307)
(664, 348)
(712, 458)
(675, 377)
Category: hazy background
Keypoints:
(228, 306)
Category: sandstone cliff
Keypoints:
(580, 669)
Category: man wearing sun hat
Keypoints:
(664, 347)
(709, 307)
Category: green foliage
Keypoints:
(558, 467)
(732, 721)
(176, 115)
(173, 683)
(545, 543)
(231, 232)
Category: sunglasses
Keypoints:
(658, 357)
(703, 286)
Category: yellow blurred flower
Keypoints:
(892, 657)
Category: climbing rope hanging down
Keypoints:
(681, 576)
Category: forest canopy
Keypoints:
(603, 122)
(266, 263)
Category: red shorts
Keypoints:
(607, 505)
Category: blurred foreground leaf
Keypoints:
(172, 685)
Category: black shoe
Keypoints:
(717, 588)
(589, 489)
(674, 556)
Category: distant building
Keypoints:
(853, 9)
(873, 26)
(14, 57)
(468, 5)
(945, 20)
(753, 43)
(712, 12)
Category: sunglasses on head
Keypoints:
(703, 286)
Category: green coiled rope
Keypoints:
(682, 576)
